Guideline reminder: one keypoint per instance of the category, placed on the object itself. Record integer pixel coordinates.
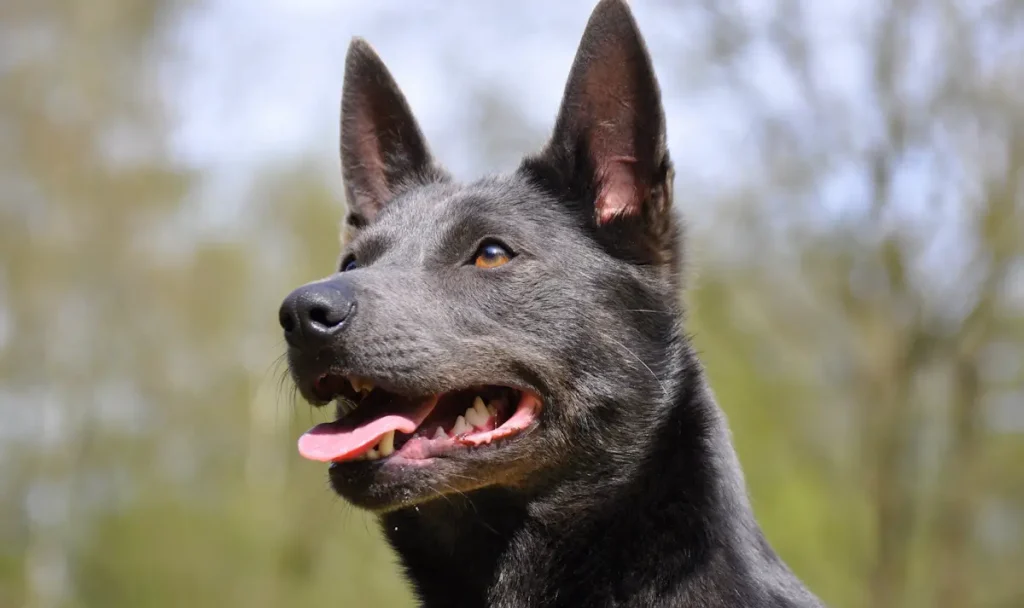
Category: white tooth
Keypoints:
(460, 426)
(387, 444)
(475, 418)
(372, 454)
(479, 407)
(440, 434)
(360, 385)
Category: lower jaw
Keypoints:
(398, 484)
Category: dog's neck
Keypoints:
(687, 497)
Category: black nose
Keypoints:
(317, 311)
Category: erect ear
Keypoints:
(608, 146)
(382, 148)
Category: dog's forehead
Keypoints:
(436, 209)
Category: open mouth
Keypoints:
(375, 424)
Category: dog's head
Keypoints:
(493, 333)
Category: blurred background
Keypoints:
(851, 173)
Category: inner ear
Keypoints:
(383, 150)
(619, 191)
(611, 116)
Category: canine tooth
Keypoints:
(440, 434)
(360, 385)
(387, 444)
(461, 426)
(372, 454)
(479, 407)
(475, 418)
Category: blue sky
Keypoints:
(259, 82)
(263, 79)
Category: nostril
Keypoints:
(321, 316)
(288, 322)
(329, 316)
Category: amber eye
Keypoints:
(491, 255)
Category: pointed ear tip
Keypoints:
(358, 43)
(362, 62)
(612, 20)
(612, 8)
(361, 50)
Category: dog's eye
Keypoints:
(491, 255)
(349, 264)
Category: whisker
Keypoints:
(656, 312)
(469, 478)
(459, 492)
(664, 391)
(441, 494)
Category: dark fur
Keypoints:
(628, 492)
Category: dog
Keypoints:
(517, 399)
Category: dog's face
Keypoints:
(488, 334)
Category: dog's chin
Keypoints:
(390, 450)
(390, 485)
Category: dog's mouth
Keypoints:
(375, 424)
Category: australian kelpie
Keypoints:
(516, 396)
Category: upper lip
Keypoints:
(330, 386)
(326, 388)
(352, 386)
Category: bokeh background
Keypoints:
(851, 173)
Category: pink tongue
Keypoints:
(333, 442)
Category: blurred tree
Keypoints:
(147, 458)
(81, 179)
(882, 280)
